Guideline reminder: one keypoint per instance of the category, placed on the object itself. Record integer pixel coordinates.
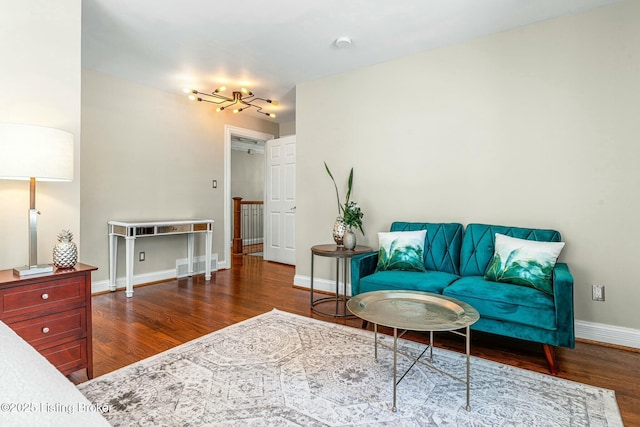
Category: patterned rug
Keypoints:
(280, 369)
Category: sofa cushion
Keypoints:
(426, 281)
(504, 301)
(401, 250)
(442, 245)
(478, 244)
(524, 262)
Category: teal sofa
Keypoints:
(456, 259)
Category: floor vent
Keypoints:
(182, 265)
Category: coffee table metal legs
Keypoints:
(466, 381)
(468, 346)
(395, 367)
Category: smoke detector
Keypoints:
(343, 42)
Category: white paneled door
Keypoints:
(280, 200)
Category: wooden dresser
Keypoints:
(52, 312)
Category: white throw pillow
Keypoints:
(401, 250)
(524, 262)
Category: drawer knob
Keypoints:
(45, 330)
(45, 296)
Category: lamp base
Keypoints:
(34, 269)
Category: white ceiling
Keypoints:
(271, 46)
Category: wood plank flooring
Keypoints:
(163, 315)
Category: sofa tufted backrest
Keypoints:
(442, 245)
(479, 241)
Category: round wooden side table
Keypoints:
(340, 254)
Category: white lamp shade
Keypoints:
(28, 151)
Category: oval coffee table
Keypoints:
(415, 311)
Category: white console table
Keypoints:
(130, 230)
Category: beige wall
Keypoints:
(39, 84)
(288, 128)
(536, 127)
(247, 175)
(149, 154)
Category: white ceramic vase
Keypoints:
(349, 240)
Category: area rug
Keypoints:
(281, 369)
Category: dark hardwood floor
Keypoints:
(163, 315)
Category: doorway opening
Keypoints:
(244, 189)
(247, 192)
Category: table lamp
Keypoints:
(29, 152)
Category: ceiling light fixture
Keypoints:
(241, 99)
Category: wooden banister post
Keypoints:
(236, 248)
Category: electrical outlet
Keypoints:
(214, 183)
(597, 293)
(141, 256)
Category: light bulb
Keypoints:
(191, 97)
(220, 89)
(219, 109)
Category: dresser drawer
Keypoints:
(47, 329)
(42, 296)
(52, 312)
(68, 357)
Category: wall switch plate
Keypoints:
(141, 256)
(598, 293)
(214, 184)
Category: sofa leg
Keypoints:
(365, 324)
(550, 354)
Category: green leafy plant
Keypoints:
(353, 215)
(350, 211)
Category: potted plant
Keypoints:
(349, 215)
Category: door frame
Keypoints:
(247, 133)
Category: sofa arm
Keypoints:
(361, 266)
(563, 299)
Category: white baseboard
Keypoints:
(157, 276)
(599, 332)
(610, 334)
(138, 279)
(322, 285)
